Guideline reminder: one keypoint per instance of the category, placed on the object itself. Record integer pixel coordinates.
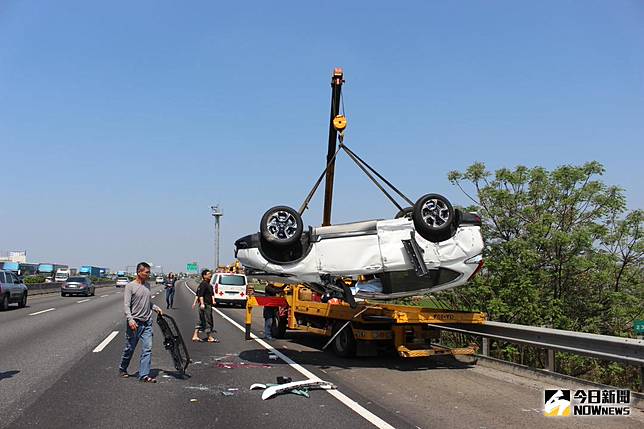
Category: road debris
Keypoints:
(233, 365)
(297, 387)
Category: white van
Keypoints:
(62, 275)
(230, 288)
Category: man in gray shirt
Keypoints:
(138, 311)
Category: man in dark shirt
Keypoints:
(205, 296)
(270, 313)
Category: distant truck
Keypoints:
(62, 275)
(49, 271)
(28, 269)
(14, 267)
(92, 271)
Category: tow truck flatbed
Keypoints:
(405, 328)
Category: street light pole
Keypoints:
(217, 214)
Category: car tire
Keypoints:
(344, 345)
(406, 212)
(23, 300)
(63, 294)
(281, 226)
(279, 329)
(4, 304)
(433, 217)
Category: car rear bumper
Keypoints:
(231, 298)
(75, 290)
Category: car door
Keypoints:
(4, 285)
(349, 255)
(12, 283)
(391, 233)
(19, 287)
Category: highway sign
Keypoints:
(192, 268)
(638, 327)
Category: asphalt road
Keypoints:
(50, 377)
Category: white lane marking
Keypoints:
(105, 342)
(83, 300)
(41, 312)
(103, 296)
(359, 409)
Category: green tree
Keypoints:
(561, 248)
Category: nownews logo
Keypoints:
(587, 402)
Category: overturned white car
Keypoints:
(426, 248)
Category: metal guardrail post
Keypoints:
(485, 348)
(550, 360)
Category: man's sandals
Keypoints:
(147, 379)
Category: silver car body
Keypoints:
(371, 247)
(11, 287)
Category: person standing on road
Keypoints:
(169, 291)
(269, 313)
(205, 296)
(138, 311)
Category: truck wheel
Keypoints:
(23, 300)
(279, 329)
(4, 304)
(433, 217)
(344, 345)
(281, 226)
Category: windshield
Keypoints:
(232, 280)
(77, 279)
(45, 268)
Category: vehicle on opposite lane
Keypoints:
(80, 285)
(159, 280)
(12, 290)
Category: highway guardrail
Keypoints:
(625, 350)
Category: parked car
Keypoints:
(121, 281)
(79, 285)
(12, 290)
(230, 288)
(426, 248)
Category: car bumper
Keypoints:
(230, 300)
(75, 290)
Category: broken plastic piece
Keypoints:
(296, 385)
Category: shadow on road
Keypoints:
(8, 374)
(325, 359)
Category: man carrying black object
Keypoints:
(206, 299)
(138, 311)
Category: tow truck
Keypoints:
(358, 326)
(365, 329)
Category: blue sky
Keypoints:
(122, 122)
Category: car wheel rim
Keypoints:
(281, 225)
(435, 213)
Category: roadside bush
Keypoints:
(34, 279)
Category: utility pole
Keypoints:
(217, 213)
(336, 90)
